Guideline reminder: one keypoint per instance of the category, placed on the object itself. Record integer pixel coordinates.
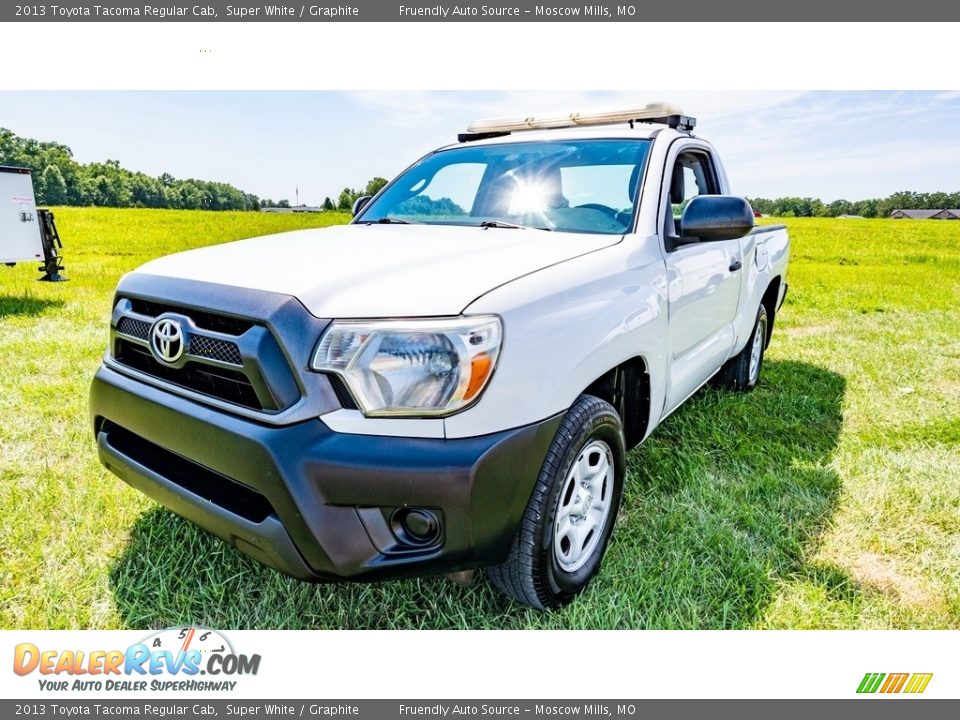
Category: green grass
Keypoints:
(828, 498)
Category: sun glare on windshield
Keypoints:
(528, 197)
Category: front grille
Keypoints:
(215, 349)
(222, 491)
(227, 358)
(226, 324)
(200, 345)
(134, 328)
(229, 385)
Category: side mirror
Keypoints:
(715, 217)
(360, 203)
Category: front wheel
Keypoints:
(570, 517)
(742, 372)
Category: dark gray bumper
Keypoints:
(311, 502)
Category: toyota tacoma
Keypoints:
(453, 380)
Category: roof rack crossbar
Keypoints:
(673, 120)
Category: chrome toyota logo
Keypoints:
(167, 340)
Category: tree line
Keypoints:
(876, 207)
(58, 179)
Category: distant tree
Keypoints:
(761, 205)
(345, 201)
(111, 185)
(840, 207)
(374, 186)
(348, 196)
(189, 196)
(54, 186)
(147, 191)
(283, 203)
(328, 204)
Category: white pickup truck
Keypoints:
(453, 380)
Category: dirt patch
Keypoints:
(809, 330)
(880, 573)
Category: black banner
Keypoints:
(853, 709)
(503, 11)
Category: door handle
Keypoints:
(735, 264)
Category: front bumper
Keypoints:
(311, 502)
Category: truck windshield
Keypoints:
(586, 186)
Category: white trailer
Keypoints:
(20, 237)
(26, 233)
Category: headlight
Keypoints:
(412, 367)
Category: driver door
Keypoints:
(703, 281)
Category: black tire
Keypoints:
(532, 573)
(735, 374)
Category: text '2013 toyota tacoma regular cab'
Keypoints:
(453, 380)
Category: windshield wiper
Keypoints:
(509, 226)
(501, 224)
(387, 221)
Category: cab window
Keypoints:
(693, 174)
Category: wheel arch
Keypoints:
(769, 301)
(627, 388)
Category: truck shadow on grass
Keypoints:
(722, 503)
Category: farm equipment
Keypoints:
(26, 233)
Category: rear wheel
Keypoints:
(742, 372)
(568, 521)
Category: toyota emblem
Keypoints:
(167, 340)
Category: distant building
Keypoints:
(946, 214)
(294, 209)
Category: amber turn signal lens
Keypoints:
(480, 368)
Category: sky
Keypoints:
(830, 145)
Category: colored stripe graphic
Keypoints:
(918, 682)
(870, 682)
(894, 683)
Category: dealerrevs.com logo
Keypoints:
(892, 683)
(178, 659)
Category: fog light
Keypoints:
(417, 526)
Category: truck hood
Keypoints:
(360, 271)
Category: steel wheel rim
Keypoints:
(583, 506)
(756, 351)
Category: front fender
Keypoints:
(564, 327)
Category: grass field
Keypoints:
(828, 498)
